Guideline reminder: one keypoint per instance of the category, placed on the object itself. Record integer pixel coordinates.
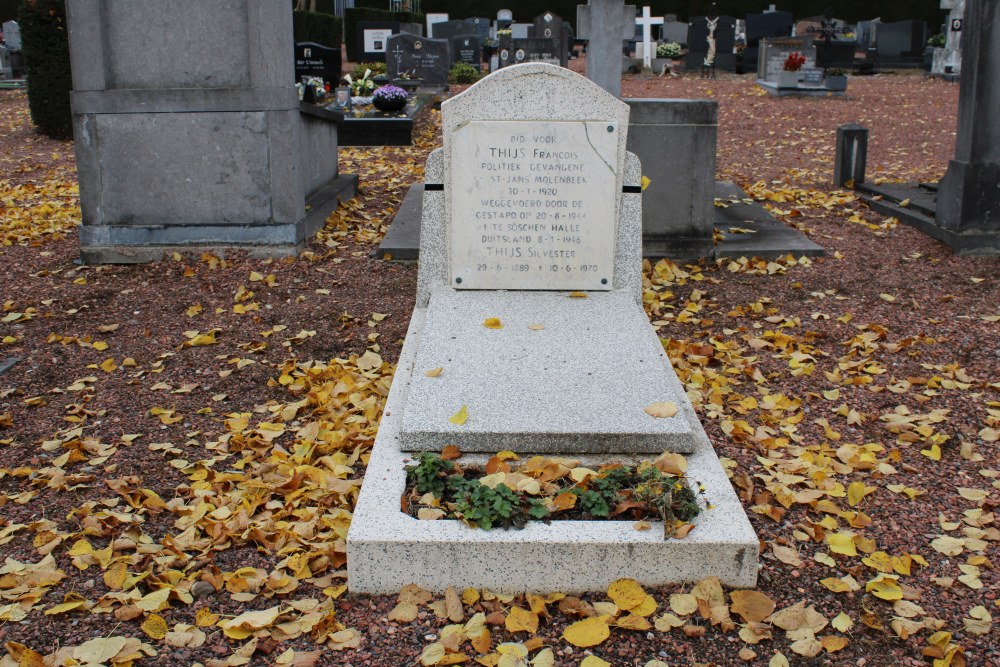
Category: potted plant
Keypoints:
(789, 76)
(836, 79)
(361, 88)
(389, 98)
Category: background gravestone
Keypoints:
(536, 50)
(12, 35)
(313, 59)
(373, 36)
(467, 49)
(551, 26)
(675, 31)
(186, 140)
(774, 52)
(480, 26)
(901, 42)
(767, 25)
(948, 59)
(426, 59)
(725, 39)
(449, 29)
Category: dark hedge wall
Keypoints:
(323, 29)
(8, 9)
(46, 55)
(849, 10)
(353, 15)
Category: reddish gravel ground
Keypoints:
(878, 364)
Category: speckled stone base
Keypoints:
(387, 549)
(578, 384)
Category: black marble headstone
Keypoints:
(725, 39)
(901, 39)
(481, 26)
(768, 25)
(449, 29)
(313, 59)
(420, 57)
(536, 50)
(551, 26)
(467, 49)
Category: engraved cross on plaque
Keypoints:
(398, 51)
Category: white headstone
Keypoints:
(12, 35)
(432, 19)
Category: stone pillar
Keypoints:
(605, 24)
(188, 129)
(852, 155)
(969, 194)
(675, 140)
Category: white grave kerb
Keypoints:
(647, 22)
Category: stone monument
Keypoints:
(604, 24)
(526, 206)
(948, 59)
(187, 140)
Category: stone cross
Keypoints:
(605, 24)
(647, 22)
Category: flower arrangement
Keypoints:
(389, 93)
(361, 87)
(668, 50)
(504, 32)
(794, 62)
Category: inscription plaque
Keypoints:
(533, 205)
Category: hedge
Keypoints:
(354, 15)
(46, 55)
(8, 10)
(324, 29)
(322, 6)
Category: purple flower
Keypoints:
(390, 93)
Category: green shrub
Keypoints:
(464, 73)
(374, 68)
(46, 55)
(323, 29)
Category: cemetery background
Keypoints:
(208, 357)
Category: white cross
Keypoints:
(647, 22)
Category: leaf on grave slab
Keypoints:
(807, 646)
(842, 543)
(594, 661)
(108, 365)
(646, 607)
(667, 622)
(461, 416)
(414, 595)
(247, 623)
(856, 491)
(626, 593)
(638, 525)
(671, 463)
(778, 660)
(544, 658)
(71, 602)
(155, 626)
(493, 323)
(799, 616)
(434, 372)
(432, 654)
(521, 620)
(154, 601)
(430, 514)
(101, 650)
(578, 295)
(453, 605)
(632, 621)
(975, 495)
(979, 621)
(680, 531)
(536, 327)
(645, 182)
(948, 545)
(662, 410)
(752, 605)
(904, 203)
(450, 453)
(588, 632)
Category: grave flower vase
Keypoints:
(788, 79)
(389, 104)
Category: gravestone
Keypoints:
(504, 18)
(425, 59)
(969, 195)
(901, 43)
(644, 25)
(467, 49)
(524, 204)
(605, 23)
(373, 37)
(184, 140)
(313, 59)
(535, 50)
(948, 59)
(767, 25)
(551, 26)
(432, 19)
(6, 68)
(454, 28)
(865, 32)
(480, 26)
(675, 31)
(521, 30)
(774, 52)
(12, 35)
(698, 45)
